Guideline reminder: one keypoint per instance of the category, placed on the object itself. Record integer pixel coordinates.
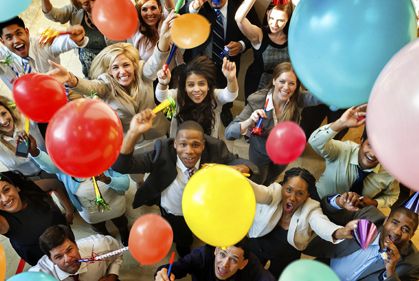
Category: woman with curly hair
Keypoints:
(196, 97)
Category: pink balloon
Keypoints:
(393, 116)
(285, 143)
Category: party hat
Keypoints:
(412, 203)
(365, 233)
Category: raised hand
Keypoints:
(351, 118)
(229, 69)
(164, 76)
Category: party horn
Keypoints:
(168, 106)
(257, 130)
(48, 35)
(365, 233)
(179, 5)
(104, 256)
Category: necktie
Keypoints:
(358, 184)
(218, 39)
(191, 171)
(26, 66)
(75, 277)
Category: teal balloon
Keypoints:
(308, 270)
(338, 47)
(32, 276)
(11, 8)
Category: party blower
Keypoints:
(365, 233)
(168, 106)
(48, 36)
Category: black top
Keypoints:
(274, 246)
(27, 225)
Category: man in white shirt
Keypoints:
(23, 54)
(62, 255)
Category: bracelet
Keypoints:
(164, 84)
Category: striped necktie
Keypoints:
(218, 38)
(191, 172)
(26, 65)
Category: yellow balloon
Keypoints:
(219, 205)
(190, 30)
(2, 263)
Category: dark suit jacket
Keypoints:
(233, 33)
(161, 164)
(200, 264)
(406, 270)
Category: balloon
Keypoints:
(117, 20)
(219, 205)
(2, 263)
(32, 276)
(84, 138)
(38, 96)
(308, 270)
(10, 8)
(190, 30)
(393, 116)
(285, 142)
(338, 48)
(150, 239)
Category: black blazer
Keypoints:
(161, 164)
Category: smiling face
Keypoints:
(285, 86)
(9, 198)
(66, 256)
(294, 194)
(151, 12)
(398, 228)
(16, 39)
(227, 262)
(196, 87)
(122, 70)
(189, 145)
(366, 156)
(7, 124)
(277, 19)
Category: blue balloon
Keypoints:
(11, 8)
(338, 47)
(32, 276)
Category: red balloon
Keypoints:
(285, 143)
(38, 96)
(117, 20)
(84, 138)
(150, 239)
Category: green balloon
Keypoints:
(308, 270)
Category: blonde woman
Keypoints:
(124, 81)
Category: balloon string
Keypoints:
(27, 125)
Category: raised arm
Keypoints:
(84, 86)
(322, 141)
(62, 15)
(252, 32)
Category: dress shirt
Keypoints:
(171, 197)
(341, 169)
(99, 244)
(350, 268)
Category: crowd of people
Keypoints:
(299, 214)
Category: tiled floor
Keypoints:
(130, 269)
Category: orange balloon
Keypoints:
(190, 30)
(150, 239)
(2, 264)
(117, 20)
